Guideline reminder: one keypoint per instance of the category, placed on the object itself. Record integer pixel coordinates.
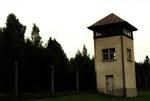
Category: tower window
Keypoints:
(129, 55)
(126, 32)
(109, 54)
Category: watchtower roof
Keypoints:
(110, 20)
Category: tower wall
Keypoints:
(115, 67)
(109, 68)
(129, 68)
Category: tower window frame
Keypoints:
(109, 54)
(129, 55)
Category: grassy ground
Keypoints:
(142, 96)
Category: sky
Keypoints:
(67, 20)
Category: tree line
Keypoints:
(143, 74)
(32, 61)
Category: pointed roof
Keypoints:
(111, 19)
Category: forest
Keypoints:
(31, 66)
(27, 62)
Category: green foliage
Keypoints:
(143, 74)
(36, 39)
(60, 57)
(1, 47)
(85, 65)
(147, 60)
(15, 28)
(12, 43)
(59, 60)
(84, 51)
(13, 36)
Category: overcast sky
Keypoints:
(67, 20)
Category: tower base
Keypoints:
(130, 92)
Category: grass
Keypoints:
(142, 96)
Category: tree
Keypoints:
(146, 70)
(84, 69)
(147, 60)
(56, 48)
(143, 74)
(77, 63)
(35, 37)
(139, 74)
(14, 36)
(84, 51)
(13, 44)
(1, 47)
(58, 58)
(33, 75)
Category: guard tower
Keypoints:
(114, 56)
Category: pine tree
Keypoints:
(147, 60)
(13, 36)
(58, 58)
(13, 42)
(84, 51)
(35, 37)
(84, 69)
